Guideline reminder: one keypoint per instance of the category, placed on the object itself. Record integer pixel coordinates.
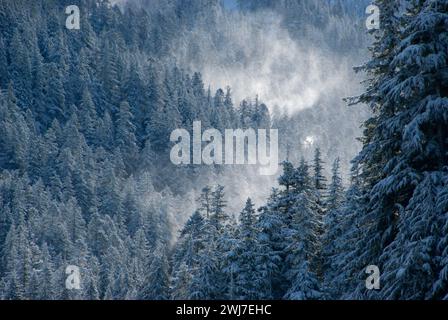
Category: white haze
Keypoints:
(257, 56)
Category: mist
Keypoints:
(301, 74)
(256, 55)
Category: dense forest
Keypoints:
(86, 179)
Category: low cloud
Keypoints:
(256, 55)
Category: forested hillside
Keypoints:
(85, 123)
(85, 171)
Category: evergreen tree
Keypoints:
(335, 194)
(246, 271)
(269, 258)
(125, 135)
(205, 201)
(415, 176)
(303, 233)
(319, 180)
(156, 286)
(377, 216)
(88, 116)
(3, 65)
(204, 285)
(217, 214)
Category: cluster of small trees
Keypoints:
(275, 253)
